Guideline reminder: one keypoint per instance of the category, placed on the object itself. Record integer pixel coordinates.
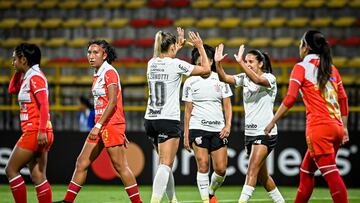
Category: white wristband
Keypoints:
(98, 125)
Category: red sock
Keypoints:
(133, 192)
(18, 189)
(43, 192)
(307, 180)
(332, 176)
(72, 191)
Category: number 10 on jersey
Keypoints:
(157, 92)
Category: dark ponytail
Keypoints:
(262, 57)
(318, 45)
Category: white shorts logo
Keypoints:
(257, 142)
(198, 140)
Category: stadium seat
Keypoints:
(114, 4)
(344, 22)
(77, 43)
(6, 5)
(45, 5)
(321, 22)
(11, 42)
(246, 4)
(156, 3)
(298, 22)
(73, 23)
(333, 40)
(29, 23)
(201, 4)
(90, 4)
(162, 22)
(179, 3)
(291, 3)
(236, 42)
(313, 3)
(205, 23)
(55, 42)
(184, 22)
(354, 4)
(28, 4)
(134, 4)
(51, 23)
(229, 23)
(123, 42)
(118, 22)
(259, 42)
(214, 41)
(351, 41)
(336, 3)
(275, 22)
(339, 61)
(268, 3)
(68, 4)
(140, 22)
(144, 42)
(223, 4)
(354, 62)
(282, 42)
(95, 23)
(36, 40)
(8, 23)
(252, 22)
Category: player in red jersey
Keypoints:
(30, 83)
(109, 130)
(326, 115)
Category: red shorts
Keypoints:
(28, 140)
(111, 135)
(324, 139)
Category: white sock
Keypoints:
(170, 188)
(160, 182)
(203, 185)
(216, 182)
(246, 193)
(276, 196)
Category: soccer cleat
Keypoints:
(212, 199)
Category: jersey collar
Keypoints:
(101, 69)
(310, 57)
(31, 69)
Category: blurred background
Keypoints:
(62, 29)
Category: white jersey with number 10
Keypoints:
(164, 76)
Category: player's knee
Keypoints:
(37, 177)
(220, 169)
(203, 165)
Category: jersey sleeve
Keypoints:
(239, 79)
(183, 67)
(271, 79)
(37, 84)
(341, 89)
(187, 92)
(111, 78)
(297, 74)
(226, 90)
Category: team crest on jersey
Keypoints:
(217, 88)
(198, 140)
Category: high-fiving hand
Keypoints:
(180, 39)
(219, 56)
(239, 56)
(195, 39)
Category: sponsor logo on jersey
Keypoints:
(154, 112)
(251, 126)
(24, 117)
(257, 142)
(205, 122)
(183, 68)
(163, 136)
(187, 92)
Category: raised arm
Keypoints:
(257, 79)
(223, 77)
(15, 83)
(205, 65)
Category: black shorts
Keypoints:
(206, 139)
(270, 142)
(161, 130)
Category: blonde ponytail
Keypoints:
(157, 44)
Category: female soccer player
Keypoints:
(326, 115)
(259, 92)
(205, 129)
(109, 130)
(162, 117)
(30, 83)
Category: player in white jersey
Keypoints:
(205, 129)
(259, 92)
(162, 118)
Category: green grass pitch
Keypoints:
(185, 194)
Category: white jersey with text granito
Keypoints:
(164, 76)
(258, 103)
(206, 96)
